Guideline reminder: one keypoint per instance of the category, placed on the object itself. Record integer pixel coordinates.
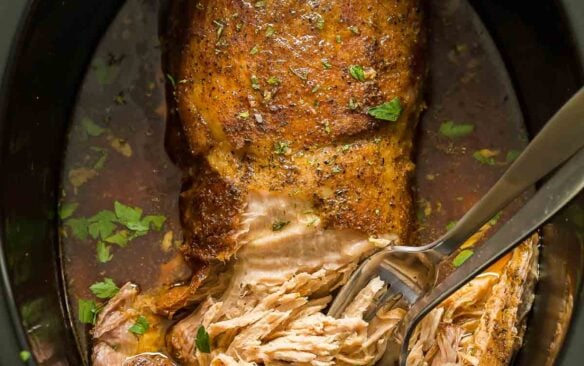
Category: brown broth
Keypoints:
(123, 93)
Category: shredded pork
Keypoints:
(483, 322)
(281, 281)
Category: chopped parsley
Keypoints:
(273, 80)
(338, 39)
(88, 310)
(202, 341)
(106, 72)
(120, 238)
(103, 252)
(354, 29)
(255, 83)
(120, 99)
(357, 72)
(254, 50)
(140, 326)
(260, 4)
(326, 64)
(512, 155)
(485, 156)
(462, 257)
(353, 104)
(118, 227)
(495, 219)
(67, 209)
(243, 115)
(388, 111)
(320, 22)
(25, 356)
(281, 147)
(105, 289)
(270, 31)
(279, 225)
(127, 215)
(78, 227)
(336, 169)
(327, 127)
(91, 128)
(154, 222)
(171, 79)
(220, 27)
(455, 130)
(451, 225)
(102, 224)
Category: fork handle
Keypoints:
(555, 193)
(560, 138)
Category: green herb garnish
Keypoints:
(25, 356)
(270, 31)
(126, 214)
(254, 50)
(462, 257)
(105, 72)
(353, 104)
(388, 111)
(120, 99)
(105, 289)
(67, 209)
(260, 4)
(485, 156)
(320, 23)
(495, 219)
(336, 169)
(87, 311)
(354, 29)
(120, 238)
(512, 155)
(243, 115)
(91, 128)
(454, 130)
(255, 83)
(451, 225)
(272, 80)
(103, 252)
(202, 341)
(140, 326)
(281, 147)
(326, 64)
(171, 79)
(279, 225)
(155, 222)
(78, 227)
(357, 72)
(102, 224)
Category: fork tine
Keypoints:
(358, 280)
(388, 300)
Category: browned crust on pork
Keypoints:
(353, 168)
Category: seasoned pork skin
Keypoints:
(267, 103)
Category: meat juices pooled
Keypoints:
(293, 176)
(293, 122)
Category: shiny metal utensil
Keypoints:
(566, 183)
(561, 137)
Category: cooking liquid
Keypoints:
(116, 144)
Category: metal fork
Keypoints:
(409, 276)
(558, 191)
